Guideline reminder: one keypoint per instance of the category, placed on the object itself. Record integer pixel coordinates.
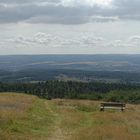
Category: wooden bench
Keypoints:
(112, 106)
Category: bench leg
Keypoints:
(102, 109)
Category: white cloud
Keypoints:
(50, 40)
(38, 38)
(135, 38)
(87, 40)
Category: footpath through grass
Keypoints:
(25, 117)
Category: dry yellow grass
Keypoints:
(23, 117)
(81, 119)
(26, 117)
(14, 105)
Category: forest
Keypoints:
(113, 92)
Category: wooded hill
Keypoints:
(117, 92)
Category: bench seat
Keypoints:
(112, 106)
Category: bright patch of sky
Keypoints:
(86, 2)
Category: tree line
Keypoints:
(117, 92)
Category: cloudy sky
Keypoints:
(69, 27)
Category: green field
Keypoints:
(27, 117)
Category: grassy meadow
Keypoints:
(27, 117)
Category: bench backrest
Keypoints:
(113, 104)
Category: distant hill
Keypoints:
(80, 62)
(34, 68)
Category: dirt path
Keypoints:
(56, 132)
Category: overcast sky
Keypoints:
(69, 27)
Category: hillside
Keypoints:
(74, 62)
(26, 117)
(105, 68)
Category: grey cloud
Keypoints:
(27, 1)
(54, 11)
(104, 19)
(127, 9)
(59, 20)
(48, 13)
